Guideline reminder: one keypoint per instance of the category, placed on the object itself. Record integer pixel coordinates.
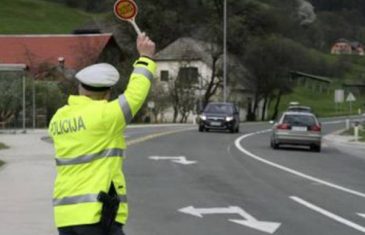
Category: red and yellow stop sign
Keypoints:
(125, 9)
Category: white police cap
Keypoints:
(98, 75)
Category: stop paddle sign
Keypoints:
(127, 10)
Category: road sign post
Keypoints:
(127, 10)
(339, 98)
(350, 98)
(225, 51)
(347, 124)
(356, 131)
(151, 106)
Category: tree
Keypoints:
(10, 96)
(49, 97)
(269, 62)
(247, 19)
(182, 91)
(161, 99)
(215, 81)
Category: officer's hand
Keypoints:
(145, 46)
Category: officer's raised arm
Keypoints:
(145, 46)
(140, 80)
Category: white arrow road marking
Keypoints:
(329, 214)
(361, 215)
(179, 159)
(249, 220)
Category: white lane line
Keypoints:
(292, 171)
(135, 126)
(361, 215)
(329, 214)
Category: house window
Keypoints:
(188, 75)
(164, 76)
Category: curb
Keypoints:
(335, 138)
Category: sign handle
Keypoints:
(135, 26)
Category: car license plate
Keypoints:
(299, 128)
(215, 123)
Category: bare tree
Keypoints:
(182, 91)
(183, 99)
(161, 99)
(215, 80)
(10, 93)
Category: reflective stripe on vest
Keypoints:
(82, 199)
(114, 152)
(145, 72)
(125, 108)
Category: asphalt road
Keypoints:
(238, 183)
(181, 181)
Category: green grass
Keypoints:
(356, 66)
(322, 103)
(39, 17)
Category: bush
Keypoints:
(3, 146)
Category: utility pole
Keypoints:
(33, 101)
(225, 51)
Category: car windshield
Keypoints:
(299, 120)
(219, 108)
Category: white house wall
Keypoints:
(174, 66)
(204, 74)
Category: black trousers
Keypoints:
(91, 229)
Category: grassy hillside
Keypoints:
(322, 103)
(37, 16)
(356, 69)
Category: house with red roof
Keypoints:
(53, 57)
(346, 47)
(69, 52)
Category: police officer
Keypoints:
(90, 194)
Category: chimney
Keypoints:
(61, 62)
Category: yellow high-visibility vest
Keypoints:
(89, 147)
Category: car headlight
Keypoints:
(228, 119)
(203, 117)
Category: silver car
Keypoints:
(297, 128)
